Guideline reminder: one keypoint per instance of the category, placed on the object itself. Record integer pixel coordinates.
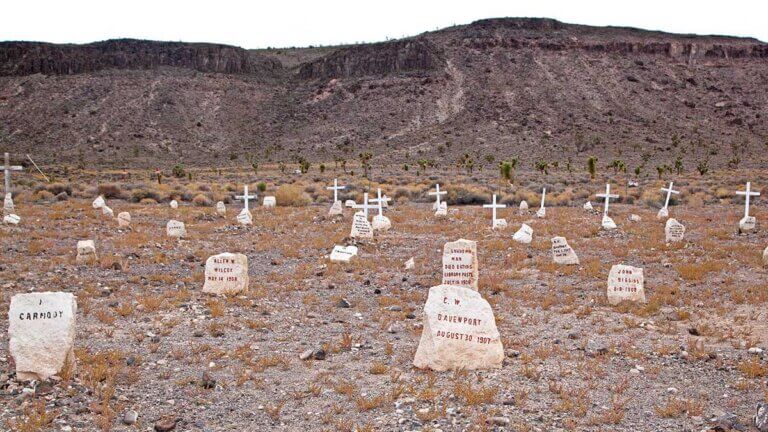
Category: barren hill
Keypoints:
(536, 89)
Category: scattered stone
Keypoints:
(588, 206)
(343, 303)
(761, 417)
(662, 214)
(166, 425)
(130, 417)
(98, 202)
(207, 382)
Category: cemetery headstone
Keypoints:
(174, 204)
(343, 253)
(269, 202)
(625, 283)
(86, 252)
(381, 223)
(588, 206)
(8, 207)
(245, 217)
(459, 332)
(664, 211)
(635, 218)
(562, 252)
(662, 214)
(106, 211)
(608, 223)
(221, 209)
(7, 170)
(11, 219)
(350, 203)
(765, 257)
(460, 265)
(524, 235)
(747, 223)
(442, 210)
(41, 330)
(98, 202)
(361, 228)
(175, 229)
(226, 273)
(437, 193)
(674, 230)
(123, 219)
(336, 208)
(523, 206)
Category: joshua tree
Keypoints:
(592, 166)
(365, 159)
(679, 165)
(542, 166)
(506, 171)
(703, 167)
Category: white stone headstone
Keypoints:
(608, 223)
(662, 214)
(226, 273)
(349, 203)
(8, 207)
(174, 204)
(635, 218)
(361, 228)
(41, 330)
(381, 223)
(410, 264)
(442, 210)
(499, 224)
(523, 205)
(269, 202)
(11, 219)
(562, 252)
(175, 229)
(625, 283)
(106, 211)
(459, 332)
(336, 209)
(674, 230)
(86, 252)
(245, 217)
(123, 219)
(98, 202)
(460, 266)
(221, 209)
(747, 224)
(541, 213)
(523, 235)
(343, 253)
(588, 206)
(765, 257)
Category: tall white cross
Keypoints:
(669, 192)
(543, 195)
(245, 197)
(607, 195)
(747, 194)
(494, 206)
(365, 206)
(336, 188)
(437, 194)
(7, 168)
(380, 201)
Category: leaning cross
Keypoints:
(7, 168)
(747, 194)
(380, 201)
(543, 195)
(365, 206)
(607, 195)
(245, 197)
(669, 192)
(437, 194)
(336, 188)
(494, 206)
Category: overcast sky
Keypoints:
(284, 23)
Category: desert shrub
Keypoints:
(261, 186)
(204, 188)
(178, 171)
(292, 196)
(139, 195)
(148, 201)
(42, 195)
(201, 200)
(57, 188)
(464, 195)
(110, 190)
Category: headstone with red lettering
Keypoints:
(625, 283)
(460, 266)
(459, 332)
(226, 273)
(41, 330)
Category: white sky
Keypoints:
(283, 23)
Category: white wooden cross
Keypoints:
(7, 168)
(669, 192)
(437, 194)
(336, 188)
(607, 195)
(380, 201)
(543, 195)
(494, 206)
(365, 206)
(747, 194)
(245, 197)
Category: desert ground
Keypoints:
(148, 340)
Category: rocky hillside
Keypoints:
(536, 89)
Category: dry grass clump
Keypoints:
(201, 200)
(143, 195)
(466, 195)
(42, 195)
(292, 196)
(36, 418)
(110, 191)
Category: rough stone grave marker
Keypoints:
(221, 209)
(86, 252)
(625, 283)
(523, 235)
(460, 265)
(674, 230)
(226, 273)
(123, 220)
(174, 204)
(11, 219)
(8, 207)
(269, 202)
(41, 332)
(175, 229)
(98, 202)
(245, 217)
(562, 252)
(343, 253)
(459, 332)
